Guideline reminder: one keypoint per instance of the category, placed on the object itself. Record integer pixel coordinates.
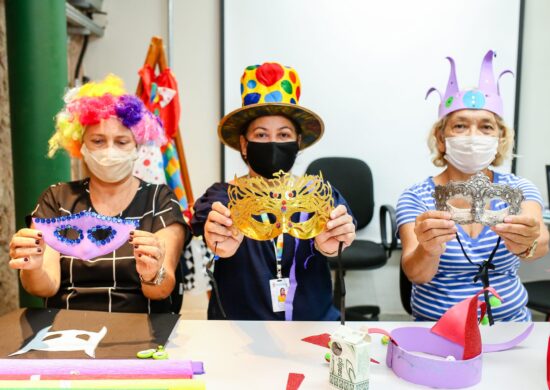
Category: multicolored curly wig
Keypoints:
(95, 101)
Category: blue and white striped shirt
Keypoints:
(453, 281)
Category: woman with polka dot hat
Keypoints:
(443, 259)
(268, 131)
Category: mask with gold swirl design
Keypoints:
(262, 209)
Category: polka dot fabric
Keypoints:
(270, 89)
(270, 83)
(149, 165)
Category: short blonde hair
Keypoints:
(505, 145)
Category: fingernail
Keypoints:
(39, 250)
(37, 242)
(25, 259)
(136, 246)
(39, 234)
(507, 219)
(131, 239)
(132, 233)
(139, 255)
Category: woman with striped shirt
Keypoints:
(469, 136)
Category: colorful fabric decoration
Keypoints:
(282, 198)
(270, 89)
(485, 97)
(454, 343)
(149, 165)
(95, 101)
(172, 171)
(160, 96)
(85, 235)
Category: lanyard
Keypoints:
(483, 274)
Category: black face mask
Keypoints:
(267, 158)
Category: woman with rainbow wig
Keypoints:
(104, 125)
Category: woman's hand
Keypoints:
(518, 232)
(27, 249)
(149, 252)
(340, 228)
(219, 233)
(433, 230)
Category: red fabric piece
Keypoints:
(269, 73)
(294, 381)
(170, 113)
(460, 325)
(320, 339)
(548, 364)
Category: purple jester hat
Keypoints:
(85, 235)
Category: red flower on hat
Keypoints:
(269, 73)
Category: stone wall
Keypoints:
(9, 297)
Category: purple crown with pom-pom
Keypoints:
(485, 97)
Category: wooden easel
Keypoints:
(156, 55)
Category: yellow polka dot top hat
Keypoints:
(270, 89)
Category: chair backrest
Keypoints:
(353, 179)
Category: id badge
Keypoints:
(279, 289)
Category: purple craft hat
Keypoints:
(485, 97)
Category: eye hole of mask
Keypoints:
(101, 235)
(460, 202)
(68, 234)
(51, 337)
(295, 218)
(268, 218)
(83, 336)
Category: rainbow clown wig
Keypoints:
(95, 101)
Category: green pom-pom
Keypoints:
(385, 340)
(327, 356)
(485, 321)
(494, 301)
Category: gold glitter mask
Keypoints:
(262, 208)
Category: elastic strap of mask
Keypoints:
(342, 285)
(214, 284)
(483, 274)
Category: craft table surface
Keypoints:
(260, 355)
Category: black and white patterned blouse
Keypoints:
(109, 282)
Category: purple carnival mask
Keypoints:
(485, 97)
(103, 234)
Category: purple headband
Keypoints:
(445, 368)
(485, 97)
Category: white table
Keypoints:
(260, 355)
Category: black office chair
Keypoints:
(353, 179)
(539, 296)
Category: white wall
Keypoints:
(131, 23)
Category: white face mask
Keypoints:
(110, 165)
(471, 154)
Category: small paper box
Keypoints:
(350, 360)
